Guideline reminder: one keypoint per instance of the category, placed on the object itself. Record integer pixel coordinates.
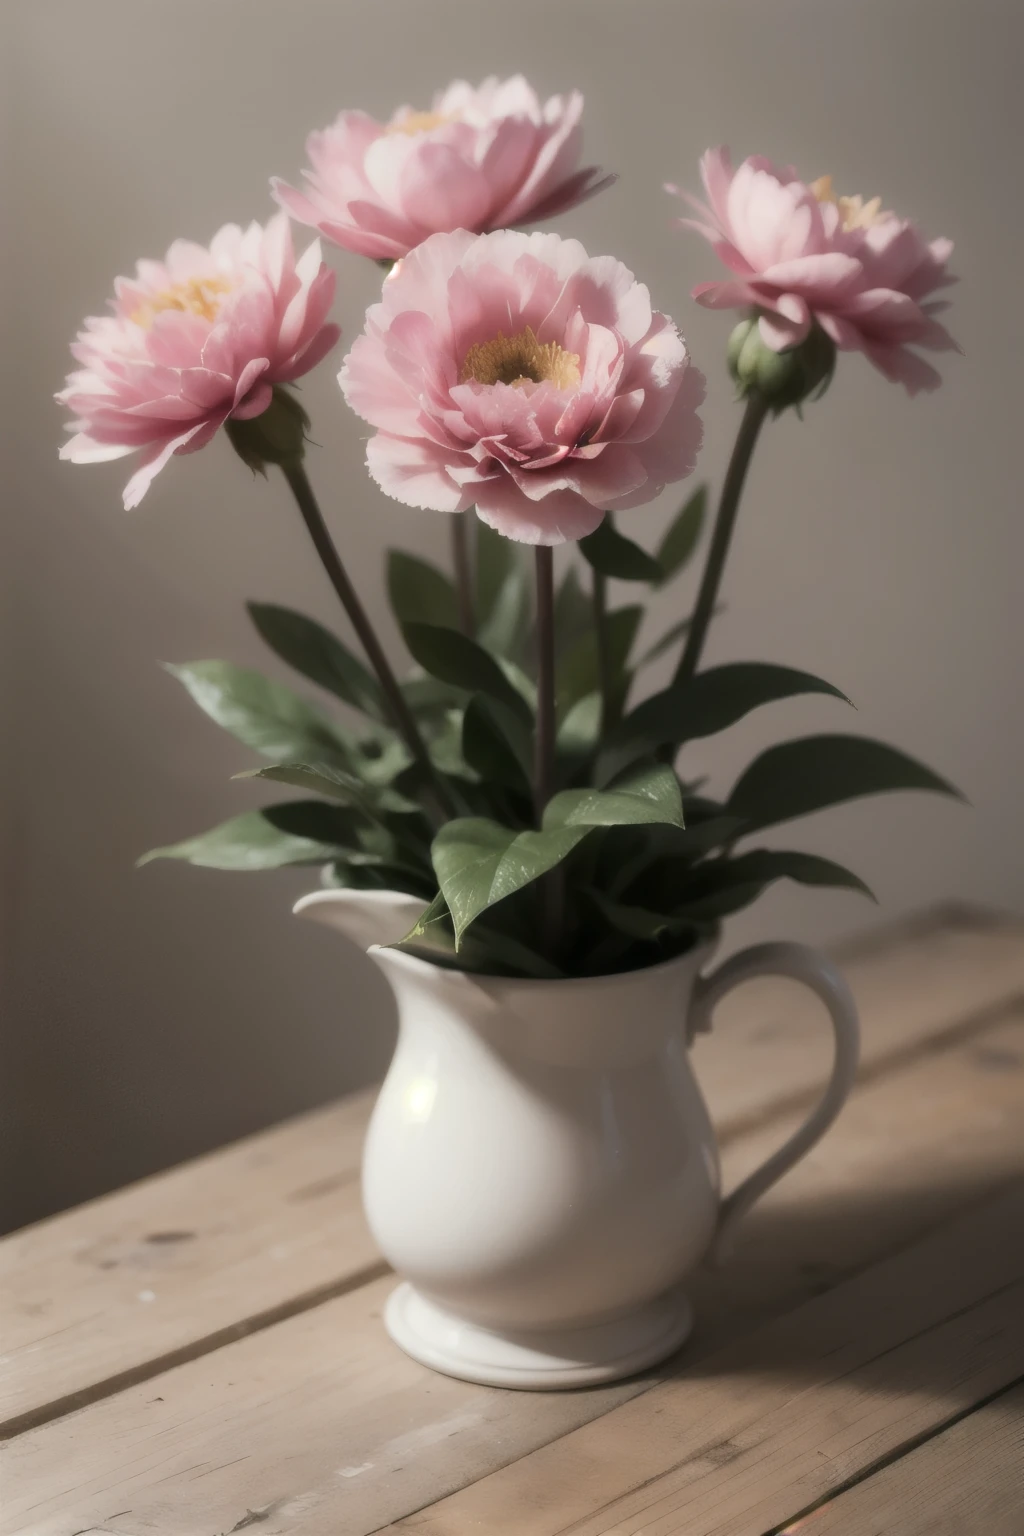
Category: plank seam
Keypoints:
(896, 1454)
(956, 1033)
(45, 1413)
(701, 1451)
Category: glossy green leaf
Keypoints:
(263, 714)
(336, 784)
(703, 706)
(317, 654)
(798, 777)
(484, 951)
(479, 862)
(419, 593)
(612, 554)
(496, 743)
(452, 657)
(268, 839)
(649, 794)
(683, 535)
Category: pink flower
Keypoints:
(516, 373)
(479, 159)
(193, 339)
(799, 254)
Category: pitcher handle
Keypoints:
(798, 963)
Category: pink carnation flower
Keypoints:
(800, 254)
(193, 339)
(480, 159)
(516, 373)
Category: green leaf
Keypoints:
(574, 611)
(452, 657)
(655, 867)
(798, 777)
(479, 862)
(726, 885)
(722, 902)
(578, 672)
(683, 535)
(267, 839)
(377, 875)
(336, 784)
(702, 706)
(612, 554)
(483, 951)
(503, 594)
(261, 713)
(637, 922)
(769, 864)
(649, 794)
(444, 743)
(579, 732)
(496, 560)
(419, 593)
(317, 654)
(427, 697)
(380, 762)
(496, 744)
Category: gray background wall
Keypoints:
(151, 1015)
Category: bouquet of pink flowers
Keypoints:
(511, 780)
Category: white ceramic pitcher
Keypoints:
(540, 1169)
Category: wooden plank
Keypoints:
(178, 1264)
(321, 1423)
(735, 1445)
(966, 1481)
(107, 1295)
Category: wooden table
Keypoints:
(203, 1352)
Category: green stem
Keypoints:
(746, 439)
(401, 715)
(463, 572)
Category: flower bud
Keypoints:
(781, 378)
(277, 436)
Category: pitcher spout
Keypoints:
(368, 918)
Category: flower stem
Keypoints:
(746, 439)
(463, 572)
(401, 715)
(552, 885)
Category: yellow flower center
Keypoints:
(519, 360)
(419, 122)
(854, 212)
(196, 296)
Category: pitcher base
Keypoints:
(547, 1361)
